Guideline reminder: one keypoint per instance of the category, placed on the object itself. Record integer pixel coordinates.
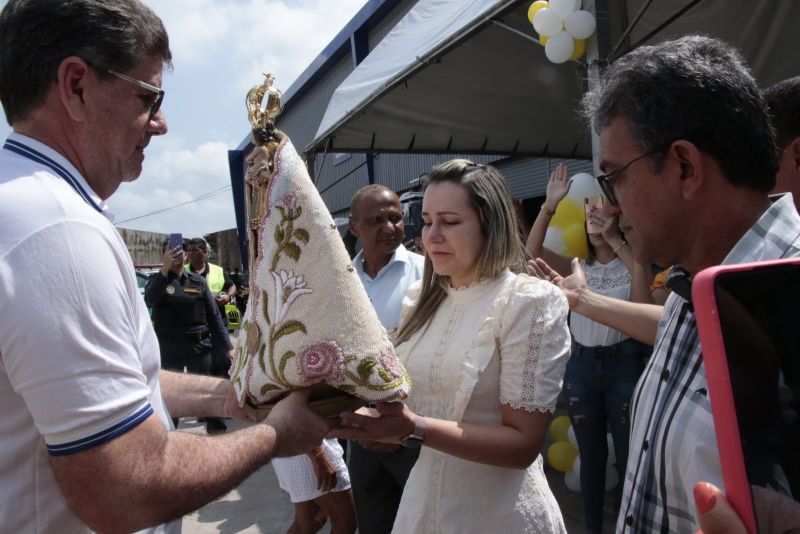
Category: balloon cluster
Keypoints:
(563, 28)
(566, 234)
(563, 455)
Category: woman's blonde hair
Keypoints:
(490, 198)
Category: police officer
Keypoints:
(186, 320)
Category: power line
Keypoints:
(198, 199)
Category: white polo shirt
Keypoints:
(79, 361)
(387, 289)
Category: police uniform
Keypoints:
(186, 320)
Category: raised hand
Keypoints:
(557, 187)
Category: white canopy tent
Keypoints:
(462, 77)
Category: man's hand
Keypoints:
(171, 260)
(324, 470)
(393, 422)
(572, 285)
(231, 407)
(223, 299)
(297, 428)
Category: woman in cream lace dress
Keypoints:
(486, 350)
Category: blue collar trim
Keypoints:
(34, 155)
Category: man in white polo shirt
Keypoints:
(85, 440)
(386, 269)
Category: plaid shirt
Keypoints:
(672, 443)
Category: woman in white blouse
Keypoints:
(486, 350)
(605, 364)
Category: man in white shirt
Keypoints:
(85, 440)
(386, 269)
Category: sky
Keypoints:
(220, 49)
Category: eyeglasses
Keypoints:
(604, 180)
(155, 105)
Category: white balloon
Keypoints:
(576, 465)
(612, 477)
(547, 22)
(572, 481)
(554, 240)
(583, 185)
(563, 7)
(577, 5)
(580, 24)
(612, 455)
(559, 47)
(571, 436)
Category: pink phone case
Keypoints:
(737, 487)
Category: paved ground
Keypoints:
(260, 506)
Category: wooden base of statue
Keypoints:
(324, 400)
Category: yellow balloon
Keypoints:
(578, 49)
(561, 455)
(559, 427)
(543, 39)
(536, 6)
(567, 212)
(575, 241)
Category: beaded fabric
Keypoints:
(308, 320)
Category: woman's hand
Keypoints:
(324, 470)
(392, 422)
(557, 187)
(608, 226)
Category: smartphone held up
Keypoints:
(747, 317)
(174, 241)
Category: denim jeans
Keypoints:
(598, 385)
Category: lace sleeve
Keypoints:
(534, 345)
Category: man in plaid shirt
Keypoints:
(689, 158)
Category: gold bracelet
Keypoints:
(547, 210)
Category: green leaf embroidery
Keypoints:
(365, 367)
(288, 355)
(283, 211)
(287, 328)
(301, 234)
(292, 250)
(385, 376)
(279, 236)
(261, 357)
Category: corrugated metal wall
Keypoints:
(527, 177)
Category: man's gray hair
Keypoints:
(694, 88)
(36, 35)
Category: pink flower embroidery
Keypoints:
(289, 202)
(322, 361)
(390, 362)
